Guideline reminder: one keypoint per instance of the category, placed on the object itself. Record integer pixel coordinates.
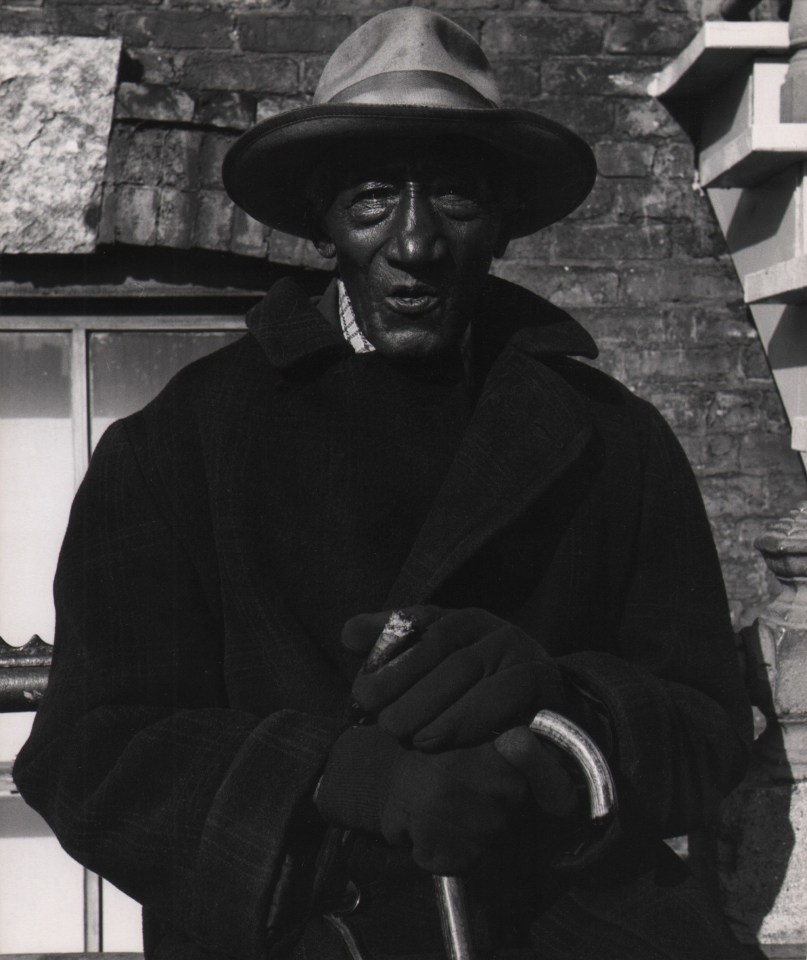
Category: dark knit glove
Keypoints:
(554, 791)
(466, 676)
(447, 808)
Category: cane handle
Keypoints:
(579, 745)
(450, 891)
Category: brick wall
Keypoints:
(642, 263)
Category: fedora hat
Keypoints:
(408, 73)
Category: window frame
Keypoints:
(81, 327)
(48, 318)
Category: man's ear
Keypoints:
(325, 247)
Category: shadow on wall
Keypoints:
(755, 841)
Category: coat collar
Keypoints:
(292, 329)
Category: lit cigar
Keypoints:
(395, 636)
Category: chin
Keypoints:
(404, 338)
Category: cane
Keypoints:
(450, 891)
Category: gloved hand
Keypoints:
(448, 808)
(552, 788)
(467, 676)
(576, 842)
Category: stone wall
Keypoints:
(642, 263)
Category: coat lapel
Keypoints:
(528, 428)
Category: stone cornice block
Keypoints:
(56, 103)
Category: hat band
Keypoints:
(415, 87)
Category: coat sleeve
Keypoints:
(199, 811)
(670, 681)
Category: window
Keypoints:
(63, 380)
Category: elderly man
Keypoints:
(421, 439)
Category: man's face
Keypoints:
(414, 226)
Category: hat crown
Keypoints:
(409, 57)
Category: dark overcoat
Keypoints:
(189, 712)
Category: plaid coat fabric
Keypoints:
(189, 714)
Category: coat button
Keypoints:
(349, 901)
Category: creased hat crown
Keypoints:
(409, 56)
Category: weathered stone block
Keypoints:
(690, 282)
(622, 158)
(180, 159)
(161, 67)
(175, 218)
(674, 160)
(214, 219)
(270, 106)
(79, 20)
(711, 454)
(598, 204)
(669, 325)
(648, 198)
(120, 144)
(310, 72)
(643, 241)
(766, 454)
(287, 34)
(225, 108)
(643, 364)
(143, 162)
(635, 35)
(250, 238)
(205, 29)
(148, 101)
(755, 364)
(534, 248)
(598, 6)
(109, 215)
(56, 99)
(518, 79)
(746, 580)
(29, 22)
(716, 323)
(596, 76)
(206, 70)
(734, 496)
(533, 36)
(746, 410)
(645, 118)
(566, 285)
(588, 116)
(702, 239)
(214, 148)
(136, 215)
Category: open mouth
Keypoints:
(414, 299)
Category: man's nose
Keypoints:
(417, 236)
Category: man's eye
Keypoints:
(458, 201)
(371, 204)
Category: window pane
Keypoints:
(36, 477)
(127, 369)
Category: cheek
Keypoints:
(474, 249)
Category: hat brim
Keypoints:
(549, 169)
